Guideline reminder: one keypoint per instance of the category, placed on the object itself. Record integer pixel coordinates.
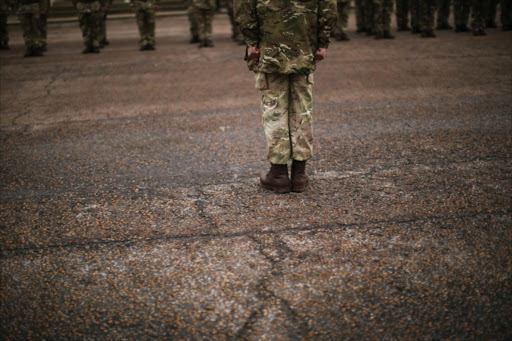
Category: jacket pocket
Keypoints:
(310, 79)
(261, 80)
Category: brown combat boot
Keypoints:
(300, 178)
(276, 179)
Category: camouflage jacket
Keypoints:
(204, 4)
(287, 32)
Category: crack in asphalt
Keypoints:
(334, 226)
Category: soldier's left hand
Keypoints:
(320, 55)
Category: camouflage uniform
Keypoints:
(506, 14)
(145, 13)
(478, 8)
(339, 29)
(443, 13)
(105, 6)
(205, 9)
(402, 15)
(89, 19)
(236, 35)
(193, 21)
(427, 17)
(490, 16)
(30, 20)
(287, 33)
(360, 16)
(422, 17)
(382, 18)
(4, 34)
(44, 23)
(461, 9)
(369, 16)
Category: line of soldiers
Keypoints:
(373, 17)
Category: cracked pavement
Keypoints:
(130, 204)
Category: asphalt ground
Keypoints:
(131, 208)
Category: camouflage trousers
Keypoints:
(427, 15)
(382, 15)
(29, 16)
(443, 12)
(146, 23)
(204, 21)
(89, 19)
(4, 33)
(342, 17)
(478, 14)
(506, 13)
(287, 106)
(360, 16)
(461, 10)
(402, 14)
(194, 23)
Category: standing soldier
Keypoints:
(506, 14)
(382, 18)
(402, 15)
(145, 13)
(236, 35)
(205, 10)
(360, 16)
(461, 9)
(478, 8)
(427, 17)
(89, 19)
(194, 24)
(369, 17)
(29, 13)
(443, 13)
(44, 23)
(415, 16)
(5, 9)
(490, 17)
(339, 29)
(285, 41)
(105, 7)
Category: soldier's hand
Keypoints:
(253, 53)
(320, 55)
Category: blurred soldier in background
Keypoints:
(44, 23)
(443, 13)
(205, 10)
(236, 35)
(360, 16)
(29, 13)
(89, 19)
(402, 15)
(427, 17)
(283, 48)
(415, 16)
(490, 15)
(145, 14)
(461, 9)
(5, 10)
(506, 14)
(382, 18)
(193, 21)
(338, 31)
(105, 7)
(478, 8)
(369, 17)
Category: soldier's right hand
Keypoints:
(253, 53)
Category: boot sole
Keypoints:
(278, 190)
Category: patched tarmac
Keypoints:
(131, 209)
